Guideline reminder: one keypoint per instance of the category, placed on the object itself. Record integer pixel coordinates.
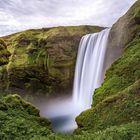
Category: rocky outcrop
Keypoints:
(43, 61)
(117, 101)
(122, 33)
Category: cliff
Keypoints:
(42, 61)
(117, 101)
(122, 33)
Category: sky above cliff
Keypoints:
(17, 15)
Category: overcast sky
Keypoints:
(16, 15)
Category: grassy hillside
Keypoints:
(20, 120)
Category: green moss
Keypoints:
(20, 120)
(123, 73)
(15, 101)
(4, 54)
(130, 131)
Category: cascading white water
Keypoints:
(88, 76)
(89, 67)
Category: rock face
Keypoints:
(122, 32)
(43, 61)
(117, 101)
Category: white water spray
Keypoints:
(89, 67)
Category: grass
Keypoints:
(20, 120)
(123, 73)
(115, 110)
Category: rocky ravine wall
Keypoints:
(42, 61)
(122, 32)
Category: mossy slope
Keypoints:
(130, 131)
(122, 108)
(20, 120)
(43, 60)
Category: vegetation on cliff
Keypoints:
(4, 54)
(42, 60)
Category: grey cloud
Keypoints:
(24, 14)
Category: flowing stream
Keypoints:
(89, 75)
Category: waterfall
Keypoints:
(89, 67)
